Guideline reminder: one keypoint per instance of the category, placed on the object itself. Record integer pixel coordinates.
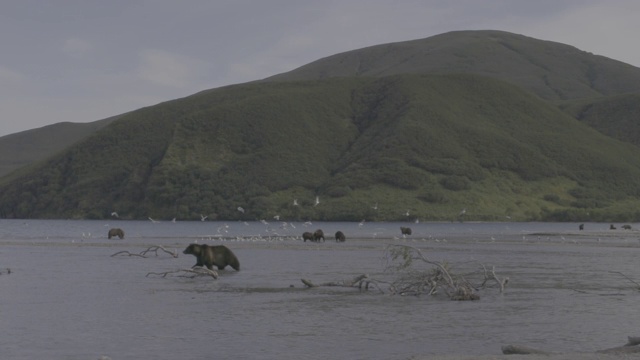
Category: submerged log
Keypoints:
(190, 273)
(521, 350)
(361, 282)
(631, 347)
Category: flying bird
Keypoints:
(241, 209)
(295, 202)
(203, 217)
(375, 207)
(317, 201)
(114, 214)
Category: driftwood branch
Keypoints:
(124, 252)
(631, 347)
(190, 273)
(155, 249)
(438, 279)
(143, 254)
(361, 282)
(491, 275)
(5, 271)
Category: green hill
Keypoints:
(427, 144)
(502, 125)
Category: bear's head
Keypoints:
(193, 249)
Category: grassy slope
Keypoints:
(428, 144)
(23, 148)
(551, 70)
(615, 116)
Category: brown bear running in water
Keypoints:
(209, 255)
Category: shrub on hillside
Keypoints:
(456, 183)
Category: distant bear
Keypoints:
(611, 227)
(317, 235)
(340, 237)
(116, 232)
(307, 236)
(581, 227)
(209, 255)
(626, 227)
(405, 230)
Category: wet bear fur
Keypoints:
(340, 237)
(116, 232)
(317, 235)
(209, 255)
(307, 236)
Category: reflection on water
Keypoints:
(68, 298)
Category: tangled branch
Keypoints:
(143, 254)
(410, 281)
(401, 258)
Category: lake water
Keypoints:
(67, 297)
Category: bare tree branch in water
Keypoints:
(143, 254)
(631, 347)
(403, 260)
(155, 249)
(362, 282)
(190, 273)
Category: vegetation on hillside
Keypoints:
(402, 147)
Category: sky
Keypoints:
(86, 60)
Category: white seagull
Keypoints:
(295, 202)
(114, 214)
(203, 217)
(241, 209)
(317, 201)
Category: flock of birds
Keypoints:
(240, 209)
(284, 230)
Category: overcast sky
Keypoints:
(85, 60)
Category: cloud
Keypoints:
(8, 75)
(76, 47)
(169, 69)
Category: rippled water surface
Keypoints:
(67, 297)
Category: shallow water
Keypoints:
(67, 297)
